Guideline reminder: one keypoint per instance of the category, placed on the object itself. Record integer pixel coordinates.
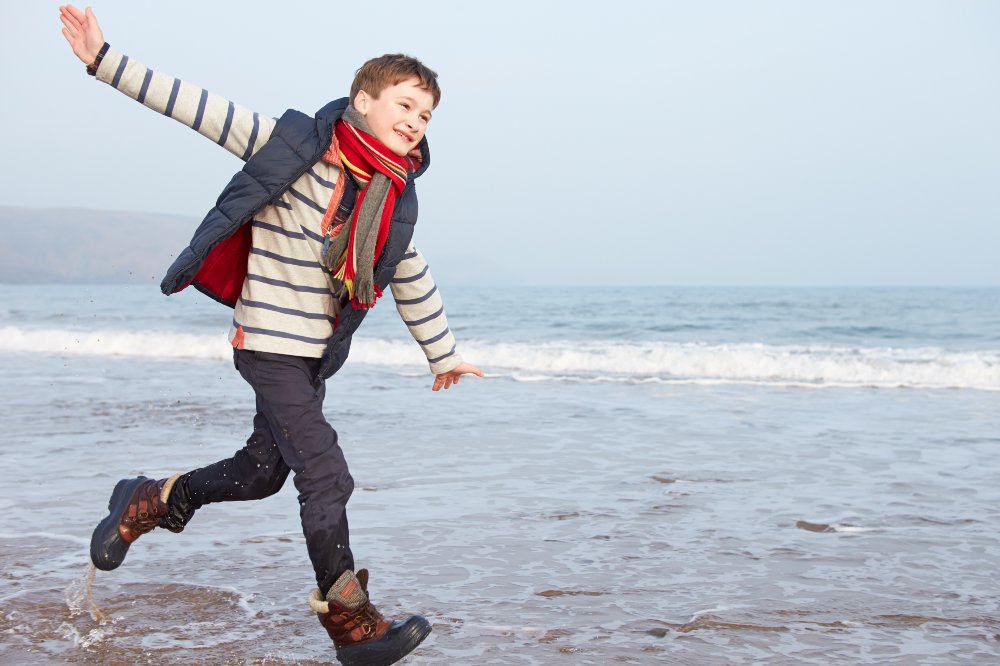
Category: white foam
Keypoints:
(853, 529)
(508, 630)
(701, 363)
(716, 609)
(80, 541)
(151, 344)
(611, 361)
(83, 640)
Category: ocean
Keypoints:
(645, 476)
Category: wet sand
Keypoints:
(548, 523)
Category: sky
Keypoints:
(708, 142)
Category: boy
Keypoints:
(301, 244)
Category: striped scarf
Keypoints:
(352, 246)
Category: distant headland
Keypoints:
(43, 245)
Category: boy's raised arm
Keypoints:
(419, 304)
(239, 130)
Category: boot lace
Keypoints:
(356, 625)
(145, 509)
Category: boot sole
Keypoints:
(390, 648)
(107, 548)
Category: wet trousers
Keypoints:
(290, 433)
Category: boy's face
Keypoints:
(398, 117)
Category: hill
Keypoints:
(82, 245)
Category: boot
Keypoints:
(361, 635)
(136, 507)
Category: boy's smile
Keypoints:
(398, 117)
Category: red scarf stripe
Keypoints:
(395, 167)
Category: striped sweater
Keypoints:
(285, 306)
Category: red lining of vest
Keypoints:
(225, 268)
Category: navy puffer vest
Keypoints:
(215, 261)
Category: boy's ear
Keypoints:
(361, 101)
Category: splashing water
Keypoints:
(80, 597)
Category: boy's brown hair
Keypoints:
(385, 71)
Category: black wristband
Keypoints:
(92, 67)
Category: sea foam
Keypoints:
(608, 361)
(150, 344)
(748, 363)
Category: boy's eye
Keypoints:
(405, 105)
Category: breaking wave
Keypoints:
(632, 362)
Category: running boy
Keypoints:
(301, 244)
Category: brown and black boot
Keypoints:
(136, 507)
(361, 635)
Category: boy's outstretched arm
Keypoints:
(239, 130)
(419, 304)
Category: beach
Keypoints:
(646, 476)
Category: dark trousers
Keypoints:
(289, 433)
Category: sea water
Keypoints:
(645, 476)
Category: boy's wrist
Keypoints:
(93, 67)
(447, 365)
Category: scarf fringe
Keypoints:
(360, 305)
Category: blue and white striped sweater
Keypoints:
(285, 306)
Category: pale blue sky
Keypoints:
(702, 142)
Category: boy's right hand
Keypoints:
(82, 32)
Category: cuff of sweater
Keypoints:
(109, 65)
(447, 364)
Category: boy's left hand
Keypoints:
(82, 32)
(446, 379)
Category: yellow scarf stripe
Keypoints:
(359, 172)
